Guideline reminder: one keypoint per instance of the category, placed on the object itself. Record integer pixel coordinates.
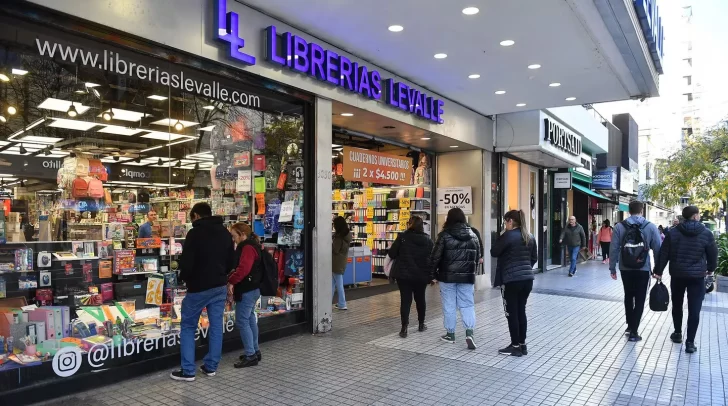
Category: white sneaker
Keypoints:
(340, 308)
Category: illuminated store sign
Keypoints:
(651, 22)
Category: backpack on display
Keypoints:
(107, 197)
(95, 188)
(97, 170)
(269, 271)
(659, 297)
(81, 167)
(80, 188)
(635, 249)
(143, 196)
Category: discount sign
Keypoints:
(361, 165)
(452, 197)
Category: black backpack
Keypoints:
(269, 270)
(635, 249)
(659, 297)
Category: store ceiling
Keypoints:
(552, 33)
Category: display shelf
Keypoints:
(391, 199)
(136, 273)
(345, 211)
(56, 258)
(343, 201)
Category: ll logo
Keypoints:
(227, 30)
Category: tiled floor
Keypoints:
(577, 356)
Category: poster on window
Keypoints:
(244, 181)
(361, 165)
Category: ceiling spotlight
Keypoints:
(46, 152)
(500, 92)
(179, 164)
(555, 84)
(4, 77)
(534, 66)
(425, 138)
(521, 105)
(23, 151)
(347, 114)
(19, 72)
(395, 28)
(210, 107)
(572, 98)
(22, 183)
(468, 11)
(12, 110)
(159, 162)
(454, 146)
(440, 56)
(197, 166)
(72, 111)
(179, 126)
(507, 43)
(3, 119)
(473, 76)
(108, 115)
(116, 158)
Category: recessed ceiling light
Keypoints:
(119, 130)
(89, 84)
(347, 114)
(125, 115)
(454, 146)
(72, 124)
(162, 136)
(425, 138)
(521, 105)
(473, 76)
(155, 97)
(440, 56)
(500, 92)
(62, 105)
(395, 28)
(468, 11)
(572, 98)
(4, 77)
(19, 72)
(507, 42)
(534, 66)
(555, 84)
(209, 107)
(172, 122)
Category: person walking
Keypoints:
(342, 240)
(454, 262)
(575, 240)
(691, 250)
(605, 239)
(517, 254)
(411, 269)
(207, 257)
(244, 288)
(633, 239)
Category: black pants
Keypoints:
(407, 289)
(635, 290)
(605, 250)
(696, 292)
(515, 295)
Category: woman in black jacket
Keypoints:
(412, 250)
(454, 261)
(517, 254)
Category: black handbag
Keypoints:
(659, 297)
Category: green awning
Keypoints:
(623, 207)
(588, 191)
(580, 176)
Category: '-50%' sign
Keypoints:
(452, 197)
(361, 165)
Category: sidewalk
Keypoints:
(577, 356)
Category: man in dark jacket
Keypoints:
(208, 255)
(575, 239)
(692, 253)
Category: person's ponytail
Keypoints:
(524, 229)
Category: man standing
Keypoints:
(145, 230)
(207, 257)
(692, 253)
(632, 240)
(675, 223)
(575, 239)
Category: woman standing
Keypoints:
(342, 240)
(412, 250)
(454, 262)
(605, 239)
(244, 286)
(517, 254)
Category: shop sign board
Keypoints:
(452, 197)
(562, 180)
(626, 183)
(361, 165)
(561, 138)
(648, 14)
(605, 179)
(311, 59)
(586, 162)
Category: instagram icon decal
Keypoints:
(67, 361)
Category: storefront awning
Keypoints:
(623, 207)
(589, 191)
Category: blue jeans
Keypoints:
(573, 255)
(337, 284)
(192, 305)
(246, 322)
(456, 296)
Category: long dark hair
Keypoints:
(340, 226)
(519, 221)
(454, 216)
(605, 223)
(416, 224)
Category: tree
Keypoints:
(699, 170)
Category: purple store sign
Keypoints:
(309, 58)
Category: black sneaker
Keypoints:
(403, 332)
(570, 274)
(511, 350)
(676, 337)
(448, 338)
(627, 332)
(634, 337)
(422, 327)
(180, 376)
(247, 362)
(524, 349)
(690, 347)
(206, 371)
(257, 355)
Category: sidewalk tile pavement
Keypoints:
(577, 356)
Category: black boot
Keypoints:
(422, 327)
(403, 332)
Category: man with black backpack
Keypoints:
(692, 253)
(632, 240)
